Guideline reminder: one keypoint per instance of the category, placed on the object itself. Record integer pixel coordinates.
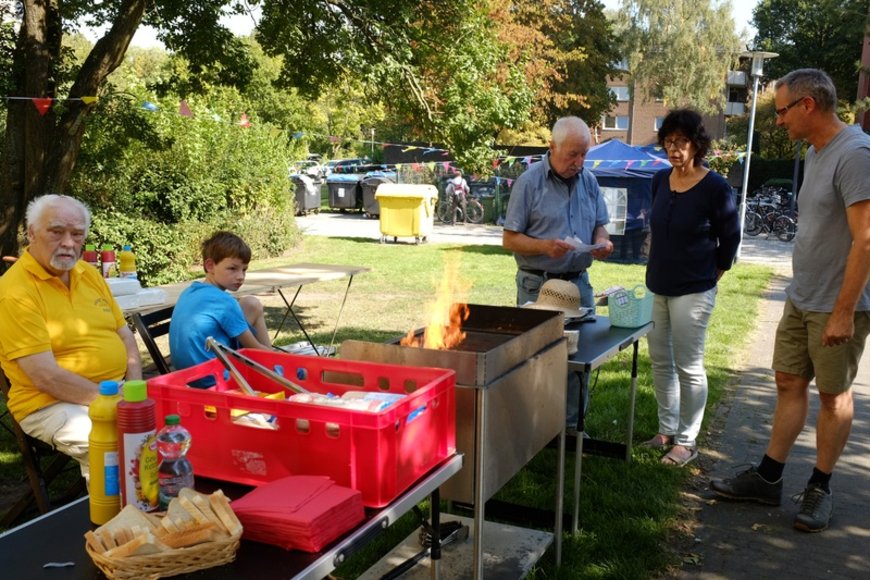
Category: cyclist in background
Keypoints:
(457, 190)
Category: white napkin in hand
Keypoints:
(580, 247)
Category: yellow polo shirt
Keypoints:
(79, 325)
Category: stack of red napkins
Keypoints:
(299, 512)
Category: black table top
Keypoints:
(599, 342)
(58, 536)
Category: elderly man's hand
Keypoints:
(557, 248)
(604, 252)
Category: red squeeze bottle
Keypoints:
(137, 447)
(91, 256)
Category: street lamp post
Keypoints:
(758, 57)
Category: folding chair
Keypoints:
(151, 326)
(33, 454)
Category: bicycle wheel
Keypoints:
(444, 212)
(753, 223)
(785, 228)
(474, 211)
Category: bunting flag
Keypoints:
(149, 106)
(411, 148)
(42, 105)
(244, 121)
(89, 100)
(184, 109)
(596, 163)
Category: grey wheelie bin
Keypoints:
(307, 194)
(343, 191)
(369, 186)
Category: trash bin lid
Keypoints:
(343, 178)
(414, 190)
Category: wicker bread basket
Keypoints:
(170, 562)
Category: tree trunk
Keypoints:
(41, 150)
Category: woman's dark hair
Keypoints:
(689, 123)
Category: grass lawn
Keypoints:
(629, 511)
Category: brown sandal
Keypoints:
(658, 441)
(673, 459)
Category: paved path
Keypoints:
(736, 540)
(744, 540)
(354, 225)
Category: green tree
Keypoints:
(40, 150)
(825, 34)
(439, 65)
(589, 40)
(399, 48)
(679, 50)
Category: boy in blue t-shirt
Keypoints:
(206, 308)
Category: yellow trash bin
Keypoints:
(407, 210)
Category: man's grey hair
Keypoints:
(37, 207)
(567, 126)
(811, 82)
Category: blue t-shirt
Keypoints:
(203, 310)
(544, 206)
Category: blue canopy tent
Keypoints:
(625, 176)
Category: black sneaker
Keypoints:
(816, 508)
(749, 486)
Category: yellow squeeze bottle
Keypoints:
(105, 490)
(127, 262)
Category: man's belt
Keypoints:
(559, 275)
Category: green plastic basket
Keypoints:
(630, 308)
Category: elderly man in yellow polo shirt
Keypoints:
(61, 331)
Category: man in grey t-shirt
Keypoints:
(826, 318)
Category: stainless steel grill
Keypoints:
(510, 399)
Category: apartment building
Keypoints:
(637, 121)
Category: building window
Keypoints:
(618, 123)
(658, 123)
(621, 93)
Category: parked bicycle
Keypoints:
(781, 223)
(458, 206)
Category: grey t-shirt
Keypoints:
(834, 178)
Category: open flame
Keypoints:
(446, 313)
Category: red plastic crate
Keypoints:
(379, 454)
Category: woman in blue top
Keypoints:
(695, 233)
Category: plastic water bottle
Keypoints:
(91, 256)
(105, 489)
(175, 471)
(127, 262)
(137, 447)
(107, 258)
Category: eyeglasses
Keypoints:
(678, 142)
(784, 110)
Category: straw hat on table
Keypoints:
(560, 295)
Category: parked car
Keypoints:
(349, 165)
(310, 168)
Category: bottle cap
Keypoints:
(127, 247)
(109, 388)
(107, 247)
(135, 391)
(173, 420)
(90, 247)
